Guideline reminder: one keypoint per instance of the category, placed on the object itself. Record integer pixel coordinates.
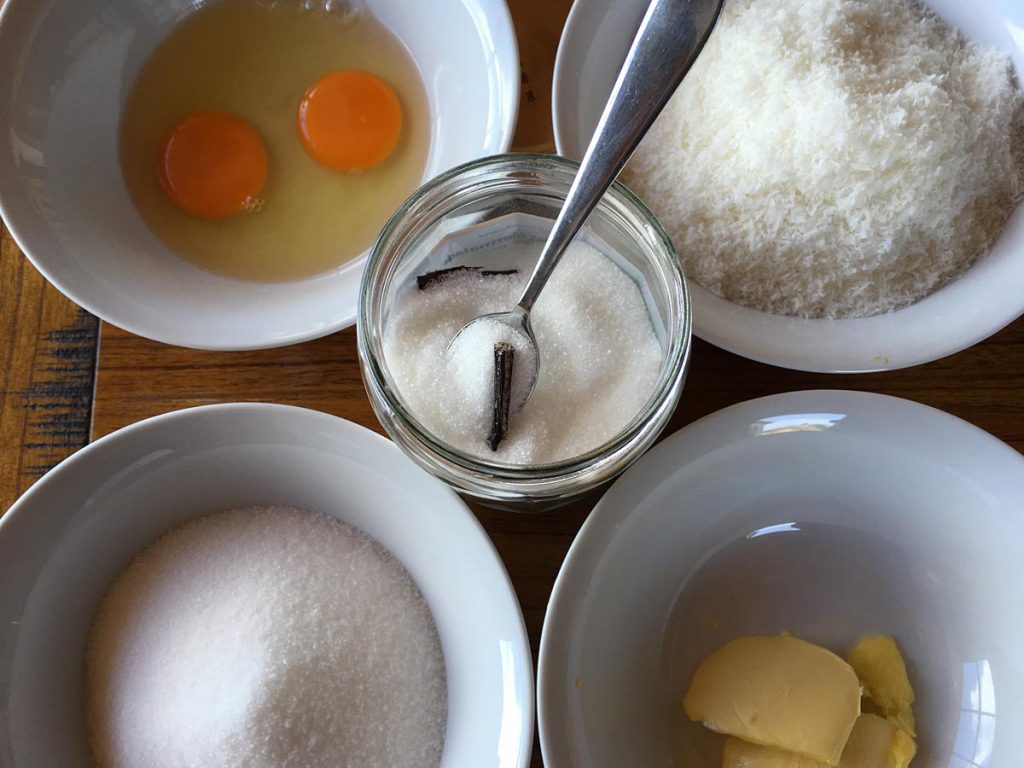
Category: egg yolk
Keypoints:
(212, 164)
(350, 120)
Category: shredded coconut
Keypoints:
(834, 158)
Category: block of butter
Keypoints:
(874, 743)
(737, 753)
(777, 691)
(877, 743)
(883, 673)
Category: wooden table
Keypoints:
(67, 379)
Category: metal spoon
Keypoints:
(670, 37)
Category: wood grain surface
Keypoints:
(48, 356)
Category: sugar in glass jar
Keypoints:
(479, 216)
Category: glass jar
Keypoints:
(458, 213)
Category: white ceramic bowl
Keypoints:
(68, 66)
(594, 42)
(829, 514)
(66, 538)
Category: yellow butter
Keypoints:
(902, 749)
(874, 743)
(737, 753)
(778, 691)
(883, 673)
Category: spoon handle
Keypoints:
(671, 35)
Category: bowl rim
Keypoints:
(586, 552)
(815, 344)
(19, 510)
(502, 31)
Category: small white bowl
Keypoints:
(68, 66)
(832, 515)
(986, 298)
(66, 538)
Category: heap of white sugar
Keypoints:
(599, 357)
(834, 158)
(470, 362)
(265, 638)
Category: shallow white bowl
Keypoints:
(68, 66)
(66, 538)
(829, 514)
(594, 42)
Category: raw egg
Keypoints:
(212, 164)
(194, 173)
(350, 120)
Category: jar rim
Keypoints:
(381, 387)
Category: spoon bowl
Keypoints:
(518, 333)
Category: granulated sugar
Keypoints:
(470, 362)
(265, 637)
(599, 357)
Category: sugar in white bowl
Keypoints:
(65, 541)
(265, 637)
(599, 357)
